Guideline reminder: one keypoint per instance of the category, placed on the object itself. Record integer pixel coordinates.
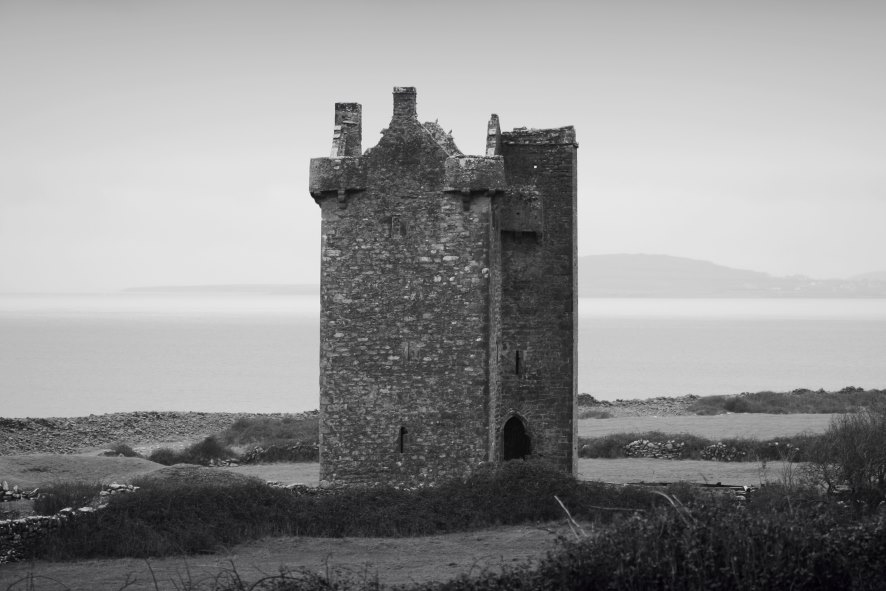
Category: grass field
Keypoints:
(39, 470)
(394, 560)
(623, 471)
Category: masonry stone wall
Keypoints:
(430, 279)
(539, 302)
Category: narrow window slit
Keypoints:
(518, 365)
(403, 434)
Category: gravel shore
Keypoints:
(663, 406)
(77, 434)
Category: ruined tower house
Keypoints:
(448, 300)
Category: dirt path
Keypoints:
(392, 560)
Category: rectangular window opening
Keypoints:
(403, 434)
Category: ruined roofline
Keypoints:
(540, 137)
(345, 171)
(443, 139)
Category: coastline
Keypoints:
(151, 429)
(70, 435)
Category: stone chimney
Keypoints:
(493, 136)
(404, 103)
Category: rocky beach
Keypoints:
(662, 406)
(69, 435)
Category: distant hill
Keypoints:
(872, 276)
(645, 275)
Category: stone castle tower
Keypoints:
(448, 299)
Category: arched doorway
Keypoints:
(517, 444)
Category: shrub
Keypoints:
(199, 453)
(165, 455)
(65, 494)
(852, 452)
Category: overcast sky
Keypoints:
(152, 142)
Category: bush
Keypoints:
(166, 456)
(65, 494)
(852, 453)
(200, 453)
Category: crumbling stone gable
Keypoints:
(431, 280)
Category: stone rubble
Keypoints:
(643, 448)
(720, 452)
(14, 493)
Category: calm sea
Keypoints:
(76, 355)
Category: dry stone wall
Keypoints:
(17, 536)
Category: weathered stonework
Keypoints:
(448, 300)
